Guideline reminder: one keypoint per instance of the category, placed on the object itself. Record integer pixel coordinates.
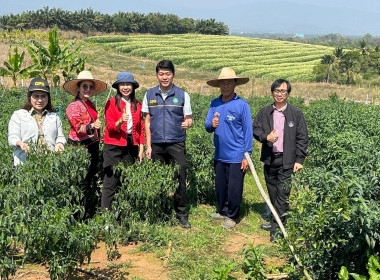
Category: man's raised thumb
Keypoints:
(216, 115)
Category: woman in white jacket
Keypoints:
(35, 122)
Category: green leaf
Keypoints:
(358, 277)
(343, 273)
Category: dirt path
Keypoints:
(133, 263)
(130, 264)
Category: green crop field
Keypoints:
(333, 223)
(247, 56)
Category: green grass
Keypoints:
(197, 253)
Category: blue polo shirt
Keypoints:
(234, 136)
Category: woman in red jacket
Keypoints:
(124, 133)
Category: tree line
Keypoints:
(89, 20)
(350, 66)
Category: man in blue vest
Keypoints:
(229, 118)
(167, 111)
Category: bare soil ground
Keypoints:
(133, 263)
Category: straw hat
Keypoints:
(227, 73)
(72, 85)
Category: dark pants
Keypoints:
(229, 180)
(276, 177)
(112, 155)
(169, 153)
(89, 184)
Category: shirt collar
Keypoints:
(282, 109)
(233, 98)
(125, 100)
(165, 93)
(34, 112)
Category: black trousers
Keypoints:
(276, 177)
(229, 180)
(169, 153)
(88, 185)
(112, 155)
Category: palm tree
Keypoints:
(350, 65)
(329, 60)
(338, 53)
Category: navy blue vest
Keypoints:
(166, 115)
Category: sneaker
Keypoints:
(217, 216)
(273, 237)
(267, 227)
(228, 223)
(183, 222)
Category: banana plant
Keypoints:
(51, 60)
(14, 67)
(75, 65)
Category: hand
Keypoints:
(23, 146)
(297, 166)
(187, 124)
(148, 152)
(97, 124)
(244, 165)
(272, 137)
(215, 120)
(59, 147)
(125, 116)
(141, 153)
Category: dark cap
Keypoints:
(39, 84)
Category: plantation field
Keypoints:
(247, 56)
(335, 215)
(334, 219)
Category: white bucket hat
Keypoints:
(227, 73)
(72, 85)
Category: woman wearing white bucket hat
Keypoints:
(85, 128)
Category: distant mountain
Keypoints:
(287, 17)
(319, 17)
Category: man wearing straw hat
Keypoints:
(281, 128)
(168, 113)
(229, 117)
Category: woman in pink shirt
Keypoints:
(85, 129)
(124, 133)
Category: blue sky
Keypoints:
(347, 17)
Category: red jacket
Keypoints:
(118, 137)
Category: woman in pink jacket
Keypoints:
(124, 133)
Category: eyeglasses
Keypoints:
(37, 96)
(280, 92)
(86, 87)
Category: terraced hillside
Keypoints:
(248, 56)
